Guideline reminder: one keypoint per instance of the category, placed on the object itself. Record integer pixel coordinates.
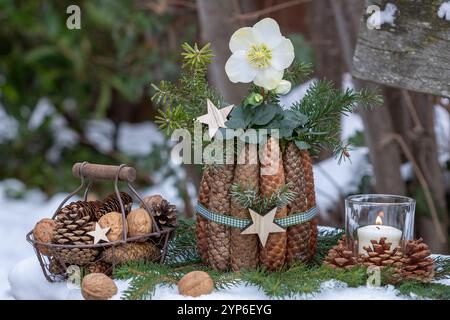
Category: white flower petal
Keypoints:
(242, 39)
(283, 55)
(268, 78)
(268, 32)
(238, 69)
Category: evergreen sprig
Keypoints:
(290, 281)
(251, 198)
(323, 105)
(182, 103)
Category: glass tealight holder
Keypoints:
(370, 217)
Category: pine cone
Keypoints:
(99, 267)
(138, 251)
(245, 248)
(165, 213)
(112, 204)
(73, 222)
(417, 265)
(55, 267)
(298, 236)
(340, 256)
(310, 197)
(273, 255)
(202, 223)
(381, 255)
(220, 182)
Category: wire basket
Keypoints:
(55, 268)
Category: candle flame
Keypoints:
(379, 221)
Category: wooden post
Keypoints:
(413, 53)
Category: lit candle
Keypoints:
(377, 231)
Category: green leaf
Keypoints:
(302, 145)
(264, 114)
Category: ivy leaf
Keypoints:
(302, 145)
(264, 114)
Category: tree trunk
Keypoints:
(424, 148)
(218, 22)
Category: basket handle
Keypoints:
(101, 171)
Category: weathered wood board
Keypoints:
(413, 54)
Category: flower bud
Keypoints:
(283, 87)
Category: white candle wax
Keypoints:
(375, 232)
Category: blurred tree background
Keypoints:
(71, 95)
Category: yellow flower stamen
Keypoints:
(259, 56)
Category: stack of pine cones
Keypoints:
(223, 247)
(412, 263)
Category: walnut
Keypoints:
(195, 284)
(98, 286)
(114, 221)
(139, 223)
(43, 232)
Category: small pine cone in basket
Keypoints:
(135, 251)
(165, 213)
(417, 264)
(340, 256)
(111, 204)
(73, 222)
(99, 267)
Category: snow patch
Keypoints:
(295, 95)
(386, 16)
(138, 139)
(100, 133)
(43, 109)
(8, 126)
(333, 180)
(444, 11)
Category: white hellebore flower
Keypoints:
(283, 87)
(260, 54)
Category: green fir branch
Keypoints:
(323, 105)
(294, 280)
(183, 102)
(251, 198)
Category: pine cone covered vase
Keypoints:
(272, 178)
(220, 181)
(417, 264)
(298, 236)
(201, 222)
(340, 256)
(111, 204)
(245, 248)
(73, 222)
(310, 197)
(381, 255)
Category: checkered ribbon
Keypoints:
(241, 223)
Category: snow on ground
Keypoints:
(444, 11)
(380, 17)
(28, 282)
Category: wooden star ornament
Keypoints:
(215, 118)
(99, 233)
(263, 225)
